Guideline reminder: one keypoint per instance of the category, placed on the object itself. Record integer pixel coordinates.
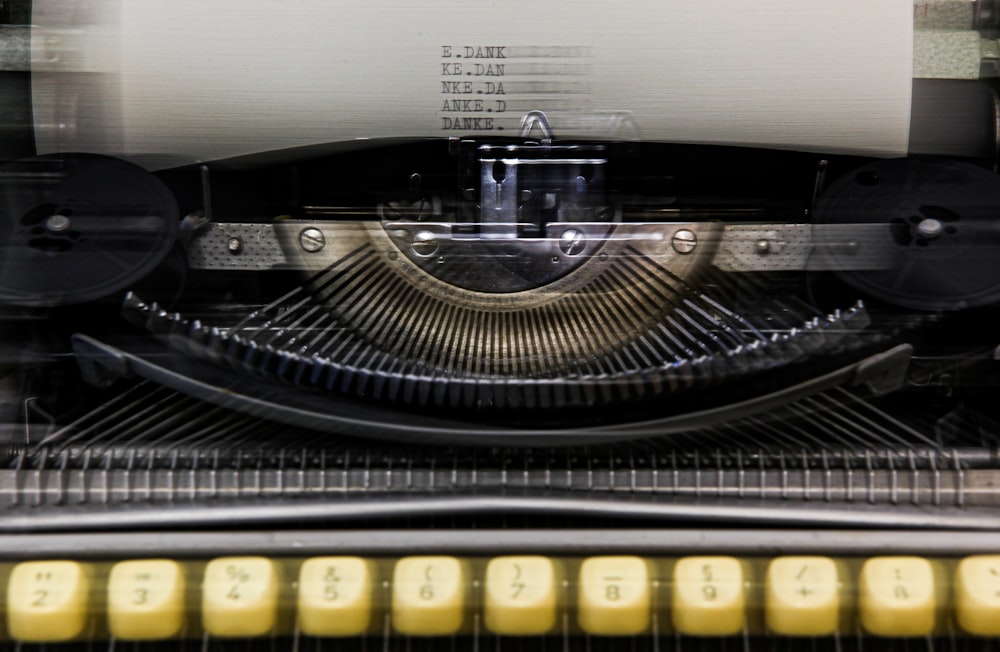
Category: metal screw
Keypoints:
(57, 223)
(572, 242)
(684, 241)
(763, 246)
(312, 240)
(930, 228)
(235, 246)
(425, 243)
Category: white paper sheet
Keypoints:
(207, 79)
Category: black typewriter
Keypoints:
(510, 383)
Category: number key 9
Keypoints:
(709, 596)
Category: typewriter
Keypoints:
(363, 326)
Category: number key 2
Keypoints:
(47, 601)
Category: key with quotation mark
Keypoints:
(47, 601)
(240, 596)
(521, 595)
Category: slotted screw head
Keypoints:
(684, 241)
(312, 240)
(425, 243)
(572, 242)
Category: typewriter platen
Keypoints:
(536, 366)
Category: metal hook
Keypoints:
(533, 119)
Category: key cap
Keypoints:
(47, 601)
(709, 596)
(428, 596)
(240, 596)
(977, 595)
(614, 596)
(146, 599)
(897, 596)
(802, 596)
(335, 596)
(521, 595)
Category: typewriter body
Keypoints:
(342, 324)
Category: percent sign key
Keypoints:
(240, 596)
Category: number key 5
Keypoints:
(335, 596)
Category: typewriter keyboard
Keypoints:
(527, 595)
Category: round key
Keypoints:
(335, 596)
(802, 596)
(897, 596)
(614, 596)
(709, 596)
(428, 596)
(146, 600)
(240, 596)
(521, 595)
(47, 601)
(977, 595)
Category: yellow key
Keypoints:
(521, 595)
(240, 596)
(614, 596)
(802, 596)
(47, 601)
(977, 595)
(428, 596)
(709, 596)
(146, 599)
(335, 596)
(897, 596)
